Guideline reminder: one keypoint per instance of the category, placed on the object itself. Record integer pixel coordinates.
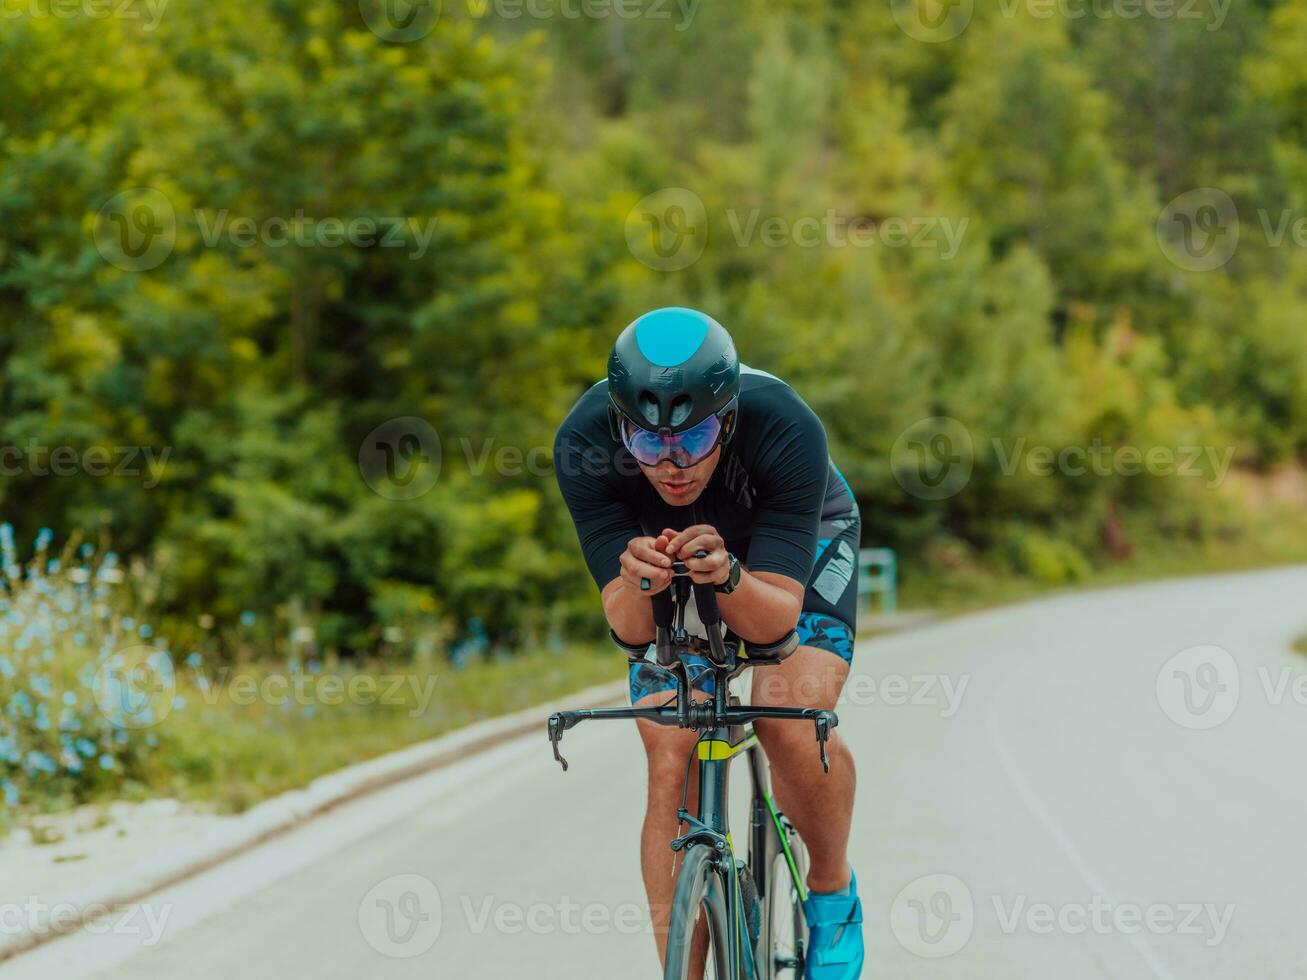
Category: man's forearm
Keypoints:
(629, 615)
(760, 611)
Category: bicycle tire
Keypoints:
(701, 891)
(784, 925)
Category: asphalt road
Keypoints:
(1105, 784)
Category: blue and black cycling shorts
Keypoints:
(830, 609)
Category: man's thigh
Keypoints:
(809, 678)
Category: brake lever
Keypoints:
(823, 724)
(556, 729)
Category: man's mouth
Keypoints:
(678, 489)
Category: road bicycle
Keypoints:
(752, 906)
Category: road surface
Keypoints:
(1103, 784)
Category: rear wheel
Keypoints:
(699, 904)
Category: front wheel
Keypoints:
(784, 926)
(699, 906)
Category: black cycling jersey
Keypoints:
(774, 487)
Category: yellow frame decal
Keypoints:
(717, 750)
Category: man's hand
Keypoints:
(714, 568)
(646, 558)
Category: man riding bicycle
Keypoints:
(685, 454)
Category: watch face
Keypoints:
(732, 575)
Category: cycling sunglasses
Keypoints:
(684, 449)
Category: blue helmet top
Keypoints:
(672, 368)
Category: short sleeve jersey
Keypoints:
(772, 487)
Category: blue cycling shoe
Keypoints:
(835, 949)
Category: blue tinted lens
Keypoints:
(682, 448)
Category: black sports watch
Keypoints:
(732, 576)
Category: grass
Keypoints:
(252, 736)
(235, 736)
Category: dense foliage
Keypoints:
(235, 242)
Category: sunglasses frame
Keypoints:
(726, 418)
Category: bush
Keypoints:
(1045, 558)
(80, 680)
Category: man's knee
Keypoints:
(667, 750)
(785, 740)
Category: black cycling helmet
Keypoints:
(670, 370)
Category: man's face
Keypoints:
(678, 487)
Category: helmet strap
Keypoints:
(730, 416)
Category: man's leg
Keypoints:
(667, 750)
(819, 804)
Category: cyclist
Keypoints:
(681, 450)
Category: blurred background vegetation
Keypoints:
(254, 371)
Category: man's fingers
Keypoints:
(634, 571)
(646, 550)
(709, 541)
(676, 545)
(640, 568)
(711, 563)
